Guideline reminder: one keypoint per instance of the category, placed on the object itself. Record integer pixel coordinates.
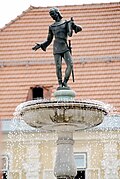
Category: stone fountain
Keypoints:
(63, 115)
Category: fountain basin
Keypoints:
(65, 115)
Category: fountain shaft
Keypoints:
(65, 166)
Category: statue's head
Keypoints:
(54, 13)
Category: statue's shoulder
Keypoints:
(55, 24)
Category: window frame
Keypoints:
(84, 167)
(47, 92)
(5, 169)
(7, 162)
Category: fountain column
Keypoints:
(65, 163)
(65, 167)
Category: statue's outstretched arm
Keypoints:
(45, 44)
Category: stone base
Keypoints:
(64, 94)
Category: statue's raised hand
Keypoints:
(36, 47)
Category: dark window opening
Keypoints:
(80, 174)
(37, 93)
(4, 175)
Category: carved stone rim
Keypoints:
(52, 104)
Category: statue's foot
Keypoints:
(60, 87)
(65, 86)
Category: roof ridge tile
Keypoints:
(38, 7)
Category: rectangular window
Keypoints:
(81, 160)
(39, 92)
(5, 166)
(80, 174)
(81, 163)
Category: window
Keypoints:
(5, 166)
(4, 175)
(81, 160)
(81, 163)
(80, 174)
(39, 92)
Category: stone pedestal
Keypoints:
(65, 167)
(65, 163)
(62, 95)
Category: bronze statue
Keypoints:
(60, 29)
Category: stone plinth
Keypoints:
(64, 94)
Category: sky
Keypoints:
(10, 9)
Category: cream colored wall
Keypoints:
(38, 152)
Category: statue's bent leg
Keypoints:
(69, 63)
(58, 62)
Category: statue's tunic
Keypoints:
(59, 31)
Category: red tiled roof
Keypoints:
(96, 53)
(100, 35)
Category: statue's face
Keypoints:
(54, 15)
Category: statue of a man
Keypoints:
(60, 30)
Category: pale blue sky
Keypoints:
(10, 9)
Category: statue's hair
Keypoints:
(55, 9)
